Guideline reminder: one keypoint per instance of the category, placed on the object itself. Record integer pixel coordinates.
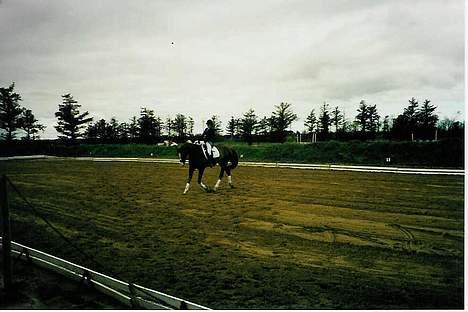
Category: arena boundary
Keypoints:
(381, 169)
(132, 295)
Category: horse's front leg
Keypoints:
(200, 182)
(221, 174)
(189, 179)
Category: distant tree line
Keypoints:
(416, 122)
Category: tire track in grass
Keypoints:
(410, 239)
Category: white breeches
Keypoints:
(208, 148)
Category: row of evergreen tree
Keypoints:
(415, 122)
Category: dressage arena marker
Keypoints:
(262, 164)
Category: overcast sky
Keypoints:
(117, 56)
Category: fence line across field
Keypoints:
(132, 295)
(424, 171)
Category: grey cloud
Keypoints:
(229, 56)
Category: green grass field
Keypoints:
(282, 239)
(443, 153)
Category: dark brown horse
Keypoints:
(228, 159)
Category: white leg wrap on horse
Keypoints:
(187, 187)
(203, 185)
(217, 184)
(230, 179)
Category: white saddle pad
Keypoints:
(215, 151)
(213, 148)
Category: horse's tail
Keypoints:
(234, 159)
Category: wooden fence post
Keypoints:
(6, 235)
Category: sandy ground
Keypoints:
(282, 239)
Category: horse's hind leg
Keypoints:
(228, 171)
(200, 182)
(189, 179)
(221, 174)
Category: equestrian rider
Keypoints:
(208, 136)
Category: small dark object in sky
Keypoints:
(171, 42)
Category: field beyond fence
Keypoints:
(447, 153)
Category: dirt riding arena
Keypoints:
(282, 239)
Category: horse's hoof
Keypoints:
(232, 186)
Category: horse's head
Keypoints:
(182, 152)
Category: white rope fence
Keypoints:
(382, 169)
(132, 295)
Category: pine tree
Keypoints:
(263, 127)
(405, 125)
(427, 119)
(91, 132)
(133, 129)
(149, 126)
(158, 127)
(217, 124)
(10, 111)
(411, 114)
(386, 125)
(247, 125)
(311, 122)
(30, 125)
(231, 127)
(324, 121)
(123, 131)
(190, 125)
(113, 130)
(336, 118)
(373, 120)
(180, 126)
(70, 121)
(362, 117)
(281, 119)
(169, 126)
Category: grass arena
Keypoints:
(282, 239)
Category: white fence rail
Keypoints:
(265, 164)
(132, 295)
(296, 166)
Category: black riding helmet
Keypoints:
(210, 123)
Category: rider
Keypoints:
(209, 136)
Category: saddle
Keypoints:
(214, 149)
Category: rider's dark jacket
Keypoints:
(209, 135)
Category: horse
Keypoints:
(228, 159)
